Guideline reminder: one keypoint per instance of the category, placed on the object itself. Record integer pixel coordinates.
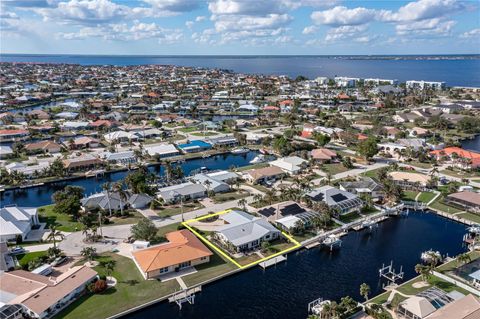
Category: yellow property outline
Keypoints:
(221, 252)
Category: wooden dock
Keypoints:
(272, 261)
(184, 294)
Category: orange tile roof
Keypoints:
(182, 246)
(459, 151)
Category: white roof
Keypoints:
(418, 306)
(288, 221)
(291, 163)
(117, 135)
(161, 149)
(5, 150)
(475, 275)
(15, 220)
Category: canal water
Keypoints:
(473, 144)
(284, 291)
(42, 195)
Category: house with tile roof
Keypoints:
(182, 250)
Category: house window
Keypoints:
(163, 270)
(203, 258)
(185, 264)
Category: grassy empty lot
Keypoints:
(131, 290)
(426, 197)
(444, 207)
(225, 197)
(204, 134)
(188, 129)
(461, 174)
(409, 195)
(382, 298)
(334, 168)
(177, 209)
(63, 222)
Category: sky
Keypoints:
(239, 27)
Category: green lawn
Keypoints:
(246, 168)
(350, 217)
(24, 259)
(470, 216)
(426, 197)
(419, 164)
(177, 209)
(439, 204)
(204, 134)
(460, 173)
(216, 267)
(188, 129)
(381, 299)
(408, 288)
(64, 222)
(454, 264)
(132, 218)
(225, 197)
(334, 168)
(167, 229)
(372, 173)
(131, 290)
(409, 195)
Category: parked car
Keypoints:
(58, 261)
(17, 250)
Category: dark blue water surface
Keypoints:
(284, 291)
(473, 144)
(459, 72)
(42, 195)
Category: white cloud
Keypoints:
(245, 22)
(189, 24)
(200, 18)
(423, 10)
(310, 29)
(345, 32)
(434, 26)
(124, 32)
(8, 15)
(341, 15)
(174, 6)
(474, 33)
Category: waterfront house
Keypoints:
(244, 232)
(194, 146)
(17, 222)
(467, 307)
(82, 162)
(120, 137)
(226, 141)
(211, 183)
(183, 250)
(410, 181)
(458, 157)
(139, 201)
(292, 164)
(340, 201)
(43, 147)
(125, 157)
(323, 155)
(263, 175)
(27, 170)
(162, 150)
(185, 191)
(467, 199)
(364, 185)
(415, 307)
(105, 201)
(40, 296)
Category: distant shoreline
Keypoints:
(254, 56)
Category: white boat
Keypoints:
(258, 159)
(475, 229)
(429, 255)
(240, 150)
(332, 242)
(318, 308)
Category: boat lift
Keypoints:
(389, 273)
(184, 295)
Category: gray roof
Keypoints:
(244, 228)
(184, 189)
(365, 182)
(102, 200)
(335, 197)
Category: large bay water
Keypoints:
(455, 72)
(42, 195)
(284, 291)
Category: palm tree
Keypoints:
(118, 188)
(243, 203)
(89, 253)
(424, 271)
(257, 198)
(109, 267)
(54, 234)
(364, 291)
(107, 187)
(270, 196)
(464, 258)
